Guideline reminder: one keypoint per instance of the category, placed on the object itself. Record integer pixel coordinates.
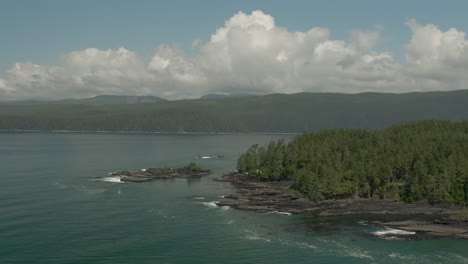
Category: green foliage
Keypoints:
(421, 161)
(193, 167)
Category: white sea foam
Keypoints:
(113, 179)
(282, 213)
(211, 204)
(347, 249)
(143, 169)
(209, 157)
(199, 198)
(358, 254)
(279, 213)
(252, 235)
(364, 223)
(204, 157)
(306, 245)
(393, 231)
(255, 237)
(399, 256)
(224, 208)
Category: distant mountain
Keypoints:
(114, 99)
(216, 96)
(270, 113)
(97, 100)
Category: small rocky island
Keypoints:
(151, 174)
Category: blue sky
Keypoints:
(58, 48)
(39, 31)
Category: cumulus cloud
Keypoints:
(437, 58)
(251, 54)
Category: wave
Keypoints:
(252, 235)
(348, 249)
(395, 255)
(255, 237)
(282, 213)
(211, 204)
(198, 198)
(113, 179)
(393, 231)
(357, 253)
(279, 213)
(305, 245)
(209, 157)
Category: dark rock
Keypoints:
(151, 174)
(424, 219)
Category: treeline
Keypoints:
(270, 113)
(421, 161)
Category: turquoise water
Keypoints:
(57, 206)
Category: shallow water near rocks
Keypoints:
(59, 205)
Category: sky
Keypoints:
(53, 49)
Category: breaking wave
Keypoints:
(393, 231)
(209, 157)
(113, 179)
(211, 204)
(279, 213)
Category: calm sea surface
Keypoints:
(58, 205)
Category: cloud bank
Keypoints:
(251, 54)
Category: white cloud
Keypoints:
(366, 39)
(437, 59)
(250, 53)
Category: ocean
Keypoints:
(58, 204)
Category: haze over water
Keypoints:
(58, 205)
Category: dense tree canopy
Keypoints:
(421, 161)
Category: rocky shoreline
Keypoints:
(419, 219)
(151, 174)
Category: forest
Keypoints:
(418, 161)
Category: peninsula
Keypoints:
(417, 170)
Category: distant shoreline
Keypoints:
(146, 132)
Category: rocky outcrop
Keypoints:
(423, 219)
(151, 174)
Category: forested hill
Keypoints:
(422, 161)
(269, 113)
